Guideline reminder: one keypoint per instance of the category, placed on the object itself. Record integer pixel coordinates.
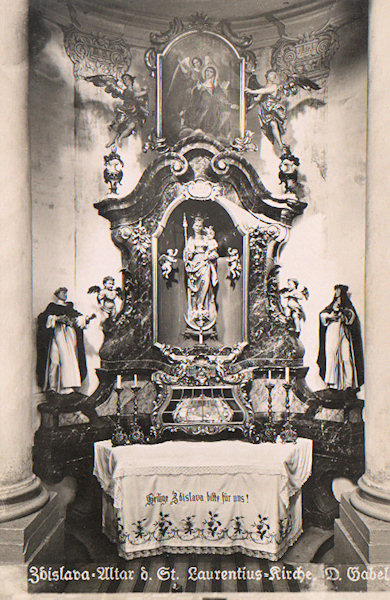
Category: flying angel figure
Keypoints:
(106, 296)
(167, 261)
(271, 100)
(131, 113)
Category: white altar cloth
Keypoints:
(224, 496)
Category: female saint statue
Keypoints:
(200, 260)
(340, 356)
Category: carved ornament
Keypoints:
(309, 54)
(201, 366)
(197, 22)
(93, 53)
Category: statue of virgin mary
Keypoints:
(200, 260)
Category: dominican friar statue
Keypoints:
(200, 259)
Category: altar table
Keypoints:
(204, 497)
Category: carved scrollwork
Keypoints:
(224, 355)
(273, 231)
(233, 378)
(178, 163)
(205, 367)
(197, 22)
(220, 164)
(164, 37)
(150, 59)
(158, 144)
(162, 378)
(309, 54)
(253, 436)
(93, 54)
(125, 232)
(250, 60)
(242, 42)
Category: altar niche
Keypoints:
(200, 277)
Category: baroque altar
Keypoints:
(204, 328)
(200, 237)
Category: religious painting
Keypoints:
(200, 79)
(200, 277)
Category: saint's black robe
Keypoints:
(357, 344)
(45, 336)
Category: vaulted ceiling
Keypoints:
(135, 19)
(232, 10)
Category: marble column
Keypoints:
(363, 531)
(21, 492)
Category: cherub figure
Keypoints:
(129, 115)
(106, 296)
(234, 264)
(271, 99)
(291, 298)
(167, 261)
(288, 170)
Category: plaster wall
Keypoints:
(72, 244)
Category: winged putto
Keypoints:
(106, 296)
(291, 298)
(167, 261)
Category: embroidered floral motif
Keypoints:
(189, 525)
(163, 524)
(261, 526)
(285, 526)
(139, 528)
(212, 523)
(210, 528)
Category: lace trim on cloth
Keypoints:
(201, 470)
(208, 550)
